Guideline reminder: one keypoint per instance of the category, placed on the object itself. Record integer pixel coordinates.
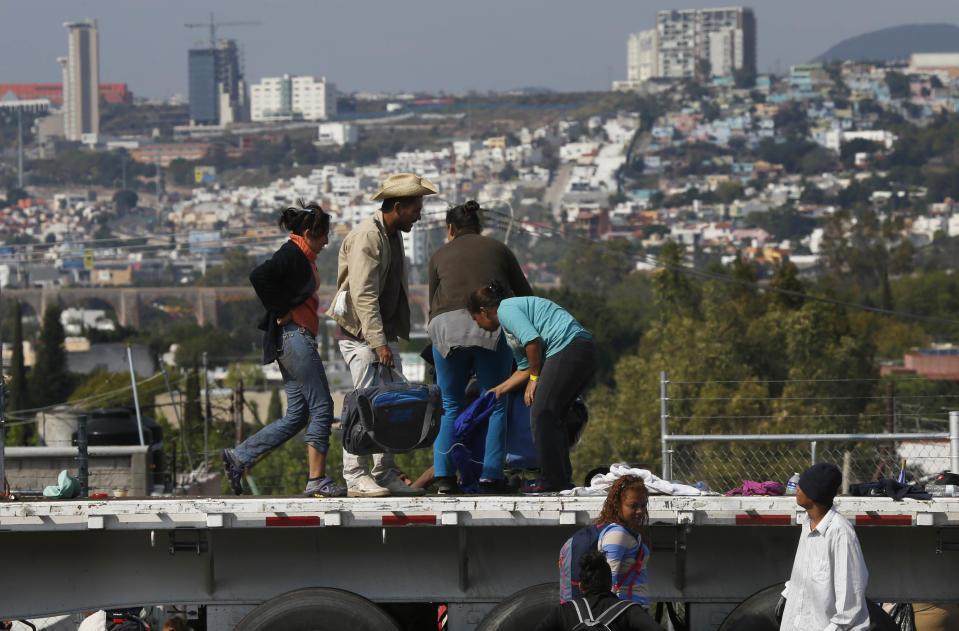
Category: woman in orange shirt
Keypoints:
(287, 284)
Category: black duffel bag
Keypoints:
(391, 417)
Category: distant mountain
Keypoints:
(895, 43)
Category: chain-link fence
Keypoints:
(722, 433)
(724, 465)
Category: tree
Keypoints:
(181, 172)
(898, 84)
(847, 154)
(275, 409)
(50, 383)
(812, 194)
(125, 200)
(234, 270)
(594, 268)
(817, 160)
(14, 195)
(729, 191)
(744, 78)
(674, 293)
(192, 407)
(19, 399)
(784, 222)
(508, 172)
(21, 433)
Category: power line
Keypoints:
(702, 274)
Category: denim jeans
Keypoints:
(491, 368)
(308, 401)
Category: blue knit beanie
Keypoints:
(821, 482)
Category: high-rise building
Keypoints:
(217, 89)
(642, 56)
(81, 81)
(290, 97)
(694, 43)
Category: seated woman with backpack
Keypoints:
(618, 534)
(599, 608)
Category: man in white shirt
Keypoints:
(827, 588)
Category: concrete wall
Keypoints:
(33, 468)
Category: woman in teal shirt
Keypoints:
(555, 359)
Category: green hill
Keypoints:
(895, 43)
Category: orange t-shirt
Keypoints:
(306, 314)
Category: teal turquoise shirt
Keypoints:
(527, 318)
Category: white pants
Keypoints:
(360, 358)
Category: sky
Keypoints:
(432, 46)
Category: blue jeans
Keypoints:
(307, 400)
(491, 368)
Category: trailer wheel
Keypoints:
(758, 613)
(523, 610)
(317, 609)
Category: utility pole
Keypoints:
(123, 170)
(3, 420)
(20, 147)
(238, 406)
(206, 414)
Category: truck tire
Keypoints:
(758, 613)
(317, 609)
(523, 610)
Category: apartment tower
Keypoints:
(81, 81)
(694, 43)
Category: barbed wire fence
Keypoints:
(722, 450)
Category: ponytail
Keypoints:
(487, 297)
(465, 218)
(304, 217)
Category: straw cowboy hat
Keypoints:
(404, 185)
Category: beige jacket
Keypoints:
(362, 270)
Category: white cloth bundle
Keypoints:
(600, 483)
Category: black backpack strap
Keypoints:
(427, 416)
(579, 614)
(614, 612)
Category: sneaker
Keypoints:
(447, 485)
(496, 487)
(366, 486)
(395, 486)
(325, 487)
(234, 471)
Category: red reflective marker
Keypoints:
(883, 520)
(745, 519)
(406, 520)
(304, 520)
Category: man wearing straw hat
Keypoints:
(372, 309)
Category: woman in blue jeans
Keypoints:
(460, 348)
(287, 285)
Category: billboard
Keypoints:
(205, 242)
(204, 175)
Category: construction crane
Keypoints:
(212, 25)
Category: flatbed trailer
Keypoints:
(481, 557)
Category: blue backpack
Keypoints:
(582, 541)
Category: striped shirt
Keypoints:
(627, 558)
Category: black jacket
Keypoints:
(563, 617)
(282, 282)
